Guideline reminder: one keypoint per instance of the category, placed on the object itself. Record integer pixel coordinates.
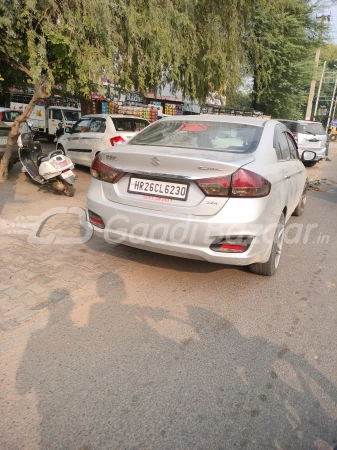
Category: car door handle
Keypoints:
(299, 171)
(287, 177)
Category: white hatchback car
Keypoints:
(96, 132)
(216, 188)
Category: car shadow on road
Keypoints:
(110, 373)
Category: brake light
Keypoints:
(249, 184)
(242, 183)
(103, 172)
(237, 248)
(1, 116)
(215, 187)
(116, 140)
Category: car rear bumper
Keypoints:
(187, 236)
(320, 152)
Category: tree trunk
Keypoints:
(41, 91)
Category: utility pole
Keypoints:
(319, 91)
(313, 82)
(331, 105)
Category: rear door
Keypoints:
(127, 127)
(91, 140)
(289, 165)
(73, 141)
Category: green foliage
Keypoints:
(197, 45)
(281, 44)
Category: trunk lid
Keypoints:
(170, 165)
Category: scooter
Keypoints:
(45, 168)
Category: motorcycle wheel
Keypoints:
(69, 189)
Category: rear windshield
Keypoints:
(9, 116)
(311, 128)
(129, 124)
(218, 136)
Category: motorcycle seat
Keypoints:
(42, 157)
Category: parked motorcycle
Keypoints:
(43, 168)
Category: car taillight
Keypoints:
(215, 187)
(116, 140)
(295, 135)
(242, 183)
(249, 184)
(1, 116)
(104, 172)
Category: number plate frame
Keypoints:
(162, 182)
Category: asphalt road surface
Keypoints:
(145, 351)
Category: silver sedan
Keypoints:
(214, 188)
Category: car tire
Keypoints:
(298, 211)
(310, 163)
(269, 268)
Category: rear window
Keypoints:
(218, 136)
(9, 116)
(311, 128)
(126, 124)
(293, 126)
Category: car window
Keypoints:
(72, 116)
(205, 135)
(292, 147)
(97, 125)
(292, 125)
(82, 126)
(9, 116)
(311, 128)
(129, 124)
(57, 114)
(281, 143)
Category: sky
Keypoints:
(332, 11)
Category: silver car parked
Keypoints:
(214, 188)
(308, 135)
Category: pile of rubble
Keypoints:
(316, 185)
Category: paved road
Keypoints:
(107, 347)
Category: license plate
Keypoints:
(156, 188)
(3, 141)
(314, 144)
(67, 174)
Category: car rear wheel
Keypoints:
(269, 268)
(300, 207)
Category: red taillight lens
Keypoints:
(243, 183)
(116, 140)
(249, 184)
(1, 116)
(104, 172)
(215, 187)
(232, 244)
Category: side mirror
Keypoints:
(67, 130)
(308, 155)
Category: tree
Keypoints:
(281, 42)
(55, 41)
